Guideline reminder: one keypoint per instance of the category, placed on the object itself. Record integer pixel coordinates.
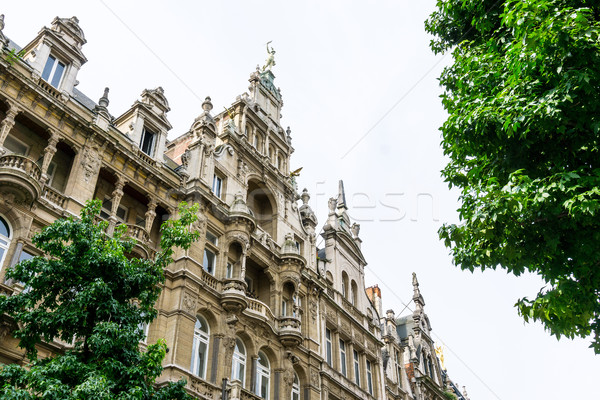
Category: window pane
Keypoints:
(264, 388)
(211, 238)
(48, 68)
(4, 228)
(209, 261)
(57, 74)
(147, 141)
(15, 146)
(202, 350)
(25, 256)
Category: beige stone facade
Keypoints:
(254, 309)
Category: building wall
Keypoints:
(252, 288)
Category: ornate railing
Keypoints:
(234, 285)
(54, 196)
(21, 163)
(258, 307)
(209, 280)
(289, 324)
(146, 157)
(138, 233)
(50, 89)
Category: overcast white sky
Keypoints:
(361, 97)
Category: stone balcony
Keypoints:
(19, 179)
(289, 331)
(138, 233)
(233, 295)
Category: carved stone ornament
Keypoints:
(314, 378)
(189, 303)
(202, 388)
(313, 309)
(5, 328)
(90, 161)
(238, 237)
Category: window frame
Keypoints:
(152, 145)
(295, 395)
(343, 360)
(356, 358)
(239, 359)
(328, 347)
(369, 369)
(19, 142)
(205, 260)
(107, 211)
(201, 337)
(263, 374)
(218, 189)
(5, 241)
(49, 75)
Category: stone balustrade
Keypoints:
(22, 164)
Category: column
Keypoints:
(7, 124)
(117, 195)
(150, 214)
(49, 152)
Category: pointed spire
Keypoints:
(104, 99)
(308, 216)
(341, 200)
(102, 107)
(417, 297)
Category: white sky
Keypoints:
(361, 97)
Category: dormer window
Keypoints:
(53, 71)
(147, 142)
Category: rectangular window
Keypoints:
(328, 346)
(398, 368)
(147, 142)
(106, 210)
(53, 71)
(343, 358)
(217, 185)
(212, 238)
(369, 378)
(229, 271)
(283, 307)
(23, 257)
(356, 369)
(15, 146)
(209, 261)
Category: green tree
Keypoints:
(522, 138)
(86, 290)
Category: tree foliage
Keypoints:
(87, 291)
(522, 138)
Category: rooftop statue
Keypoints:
(270, 63)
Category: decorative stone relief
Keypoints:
(189, 303)
(90, 161)
(201, 388)
(313, 306)
(314, 378)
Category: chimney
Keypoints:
(374, 294)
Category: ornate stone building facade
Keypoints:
(254, 309)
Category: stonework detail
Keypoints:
(255, 278)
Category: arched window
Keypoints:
(238, 366)
(200, 347)
(263, 376)
(296, 388)
(345, 285)
(354, 293)
(5, 235)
